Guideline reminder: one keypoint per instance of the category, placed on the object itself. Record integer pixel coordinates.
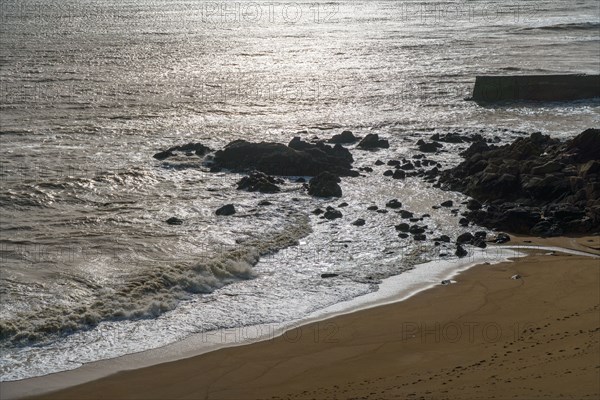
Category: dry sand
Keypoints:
(487, 336)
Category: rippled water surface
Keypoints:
(92, 89)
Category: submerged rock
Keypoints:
(359, 222)
(394, 204)
(227, 209)
(174, 221)
(329, 275)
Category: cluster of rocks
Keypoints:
(258, 181)
(418, 166)
(189, 149)
(330, 213)
(298, 158)
(536, 185)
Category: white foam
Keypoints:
(392, 289)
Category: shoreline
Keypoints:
(89, 372)
(391, 290)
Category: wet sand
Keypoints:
(486, 336)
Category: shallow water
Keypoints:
(91, 90)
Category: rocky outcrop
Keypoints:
(299, 158)
(536, 185)
(259, 182)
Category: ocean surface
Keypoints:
(90, 90)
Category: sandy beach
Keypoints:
(486, 336)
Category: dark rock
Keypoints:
(516, 276)
(419, 237)
(432, 172)
(547, 168)
(198, 148)
(398, 174)
(452, 137)
(379, 162)
(318, 211)
(298, 159)
(586, 146)
(163, 155)
(476, 148)
(359, 222)
(446, 282)
(473, 205)
(372, 141)
(382, 211)
(502, 238)
(428, 147)
(460, 251)
(393, 163)
(343, 138)
(407, 167)
(547, 177)
(546, 228)
(448, 203)
(372, 208)
(564, 212)
(443, 238)
(402, 227)
(332, 213)
(463, 222)
(394, 204)
(479, 242)
(416, 230)
(259, 182)
(389, 172)
(325, 185)
(366, 169)
(406, 214)
(264, 203)
(466, 237)
(344, 204)
(227, 209)
(403, 235)
(174, 221)
(329, 275)
(480, 234)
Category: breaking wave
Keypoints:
(150, 293)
